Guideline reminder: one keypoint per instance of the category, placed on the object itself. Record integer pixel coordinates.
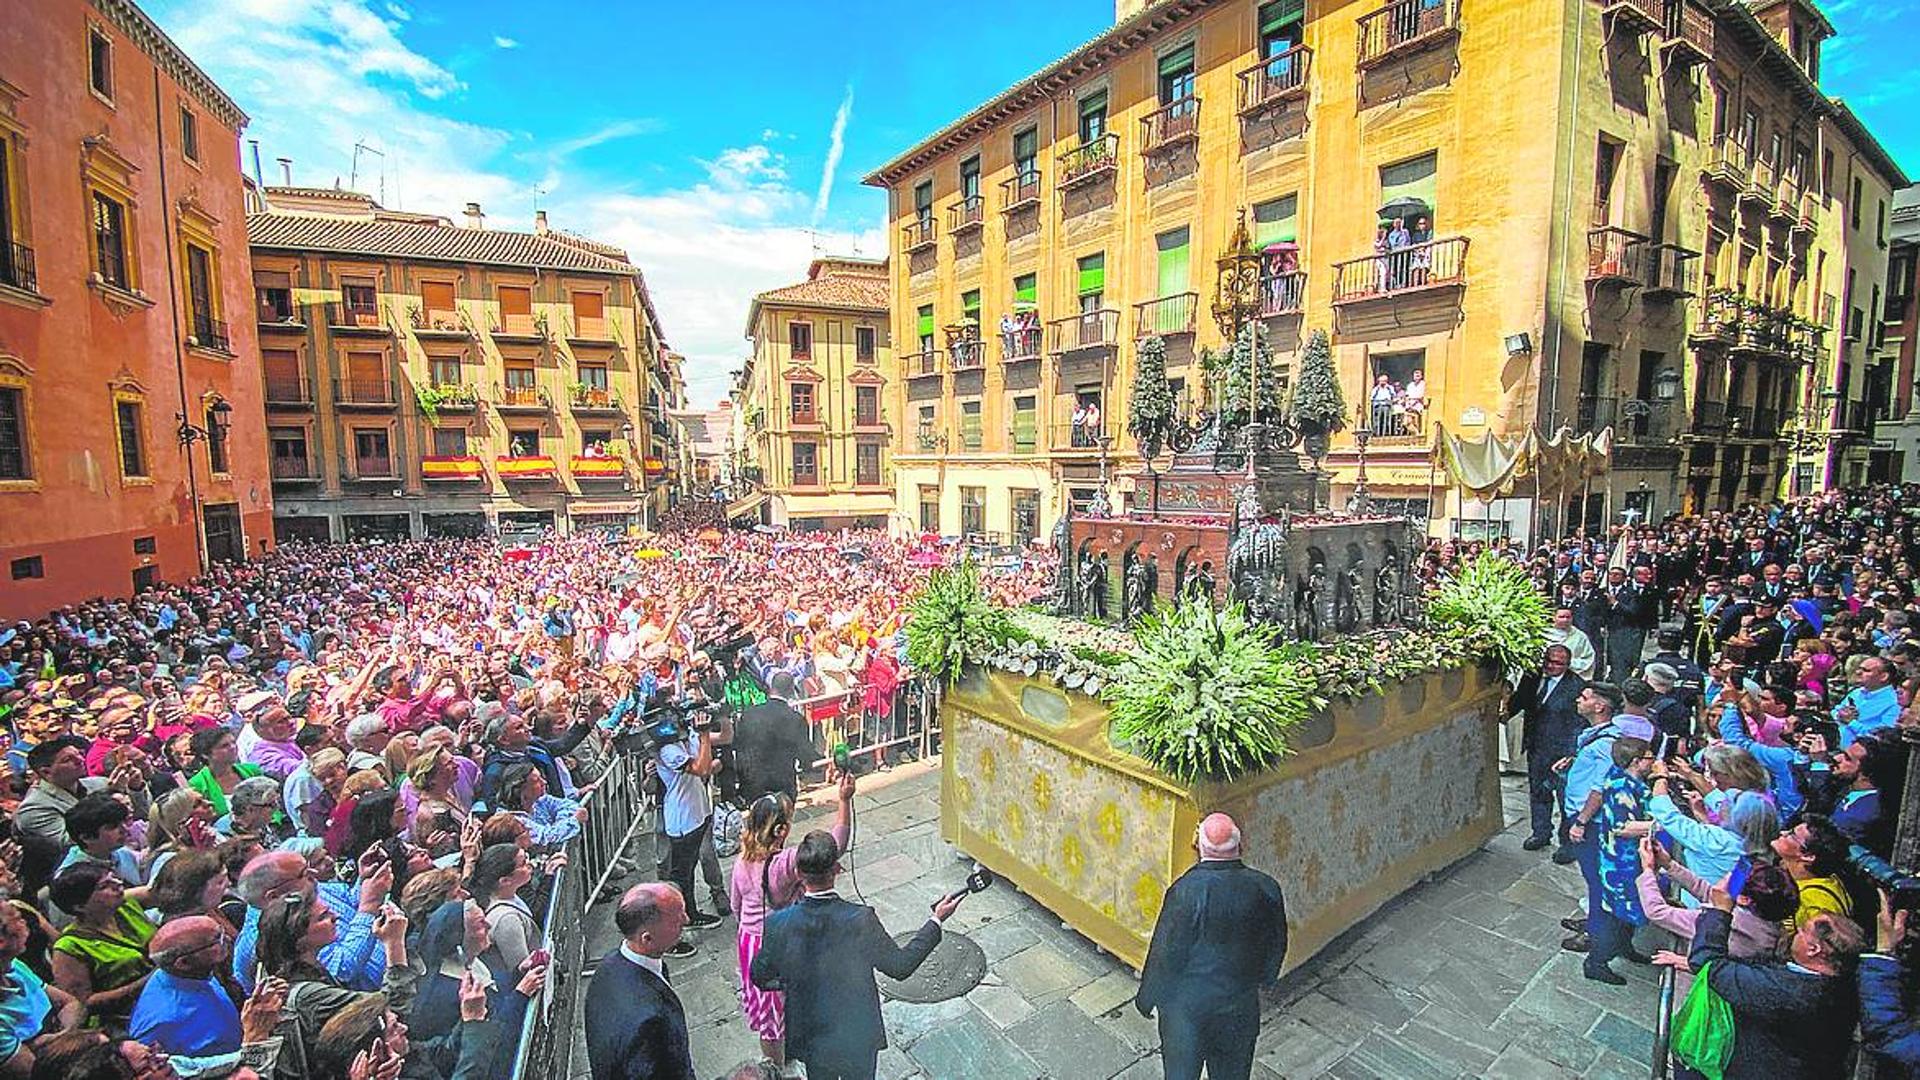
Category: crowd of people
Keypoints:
(299, 818)
(1714, 736)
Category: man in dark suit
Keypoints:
(1790, 1021)
(1221, 935)
(823, 952)
(1632, 612)
(1550, 726)
(636, 1028)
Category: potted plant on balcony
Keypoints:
(1318, 408)
(431, 398)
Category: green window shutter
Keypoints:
(970, 303)
(1094, 104)
(1276, 222)
(1173, 249)
(925, 325)
(1026, 146)
(923, 196)
(1026, 289)
(1274, 17)
(1093, 274)
(1177, 62)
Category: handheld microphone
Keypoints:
(976, 882)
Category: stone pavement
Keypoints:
(1460, 977)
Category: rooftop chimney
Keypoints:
(286, 171)
(475, 219)
(540, 222)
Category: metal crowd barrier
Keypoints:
(617, 811)
(839, 717)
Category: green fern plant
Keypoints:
(952, 623)
(1208, 695)
(1493, 611)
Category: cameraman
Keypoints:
(686, 813)
(1887, 1026)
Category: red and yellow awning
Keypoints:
(655, 466)
(450, 468)
(525, 468)
(598, 467)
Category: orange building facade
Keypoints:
(131, 443)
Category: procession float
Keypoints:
(1233, 645)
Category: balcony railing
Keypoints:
(590, 328)
(1173, 124)
(1689, 31)
(921, 364)
(1089, 330)
(802, 418)
(292, 391)
(1709, 417)
(287, 468)
(966, 215)
(1728, 163)
(592, 397)
(16, 267)
(1283, 293)
(373, 468)
(1404, 26)
(362, 390)
(1632, 420)
(968, 354)
(1638, 16)
(867, 418)
(1786, 198)
(1019, 190)
(1740, 421)
(1021, 344)
(1166, 316)
(1084, 436)
(522, 397)
(1089, 161)
(1434, 264)
(1275, 81)
(354, 317)
(210, 333)
(1672, 271)
(1614, 254)
(920, 234)
(1762, 178)
(520, 326)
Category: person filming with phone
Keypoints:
(823, 951)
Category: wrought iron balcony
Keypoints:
(1636, 16)
(275, 306)
(1761, 178)
(522, 399)
(364, 391)
(1088, 330)
(355, 317)
(373, 468)
(1174, 124)
(1672, 271)
(1166, 316)
(1020, 345)
(209, 333)
(1405, 26)
(966, 215)
(1283, 293)
(284, 391)
(17, 269)
(1020, 190)
(1089, 161)
(1085, 437)
(1275, 81)
(1728, 164)
(1709, 417)
(1616, 255)
(920, 234)
(592, 399)
(922, 364)
(1418, 267)
(968, 354)
(288, 468)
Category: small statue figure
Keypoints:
(1386, 595)
(1153, 580)
(1063, 577)
(1307, 603)
(1203, 582)
(1101, 576)
(1139, 593)
(1084, 577)
(1346, 600)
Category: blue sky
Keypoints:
(720, 143)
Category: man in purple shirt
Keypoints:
(267, 738)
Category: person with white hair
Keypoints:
(367, 739)
(1221, 935)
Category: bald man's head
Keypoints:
(1219, 838)
(270, 876)
(191, 947)
(650, 917)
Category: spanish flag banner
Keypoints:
(450, 468)
(524, 468)
(598, 467)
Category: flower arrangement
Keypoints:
(1492, 609)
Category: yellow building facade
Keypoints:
(1506, 222)
(427, 379)
(813, 418)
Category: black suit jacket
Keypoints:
(1222, 933)
(636, 1028)
(823, 952)
(1786, 1025)
(1551, 726)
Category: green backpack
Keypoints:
(1702, 1030)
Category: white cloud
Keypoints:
(505, 42)
(836, 144)
(706, 247)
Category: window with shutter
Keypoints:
(1412, 180)
(436, 299)
(1176, 75)
(1093, 116)
(1279, 25)
(1171, 249)
(1276, 222)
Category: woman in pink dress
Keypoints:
(764, 880)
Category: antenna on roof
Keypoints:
(353, 180)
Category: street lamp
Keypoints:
(1360, 501)
(1236, 301)
(219, 422)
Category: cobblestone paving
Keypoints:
(1461, 977)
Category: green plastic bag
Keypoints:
(1701, 1036)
